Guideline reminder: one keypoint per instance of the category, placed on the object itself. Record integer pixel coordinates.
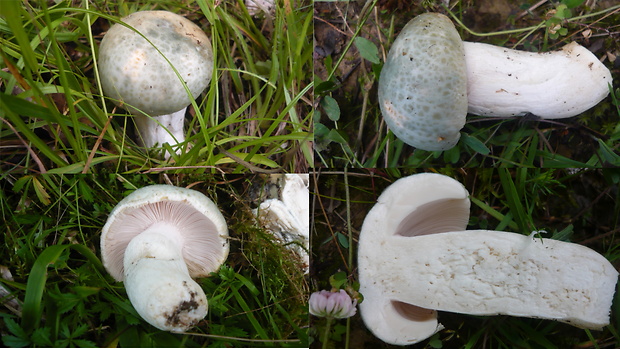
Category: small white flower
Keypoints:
(337, 305)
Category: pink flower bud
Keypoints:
(328, 304)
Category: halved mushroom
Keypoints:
(415, 257)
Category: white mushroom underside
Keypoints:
(551, 85)
(488, 273)
(187, 209)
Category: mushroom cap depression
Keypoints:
(135, 75)
(423, 84)
(201, 225)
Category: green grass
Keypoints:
(350, 131)
(581, 206)
(51, 230)
(254, 116)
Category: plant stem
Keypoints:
(364, 14)
(349, 232)
(326, 334)
(348, 338)
(531, 28)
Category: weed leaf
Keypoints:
(475, 144)
(331, 108)
(367, 49)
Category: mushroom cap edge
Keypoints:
(391, 322)
(151, 194)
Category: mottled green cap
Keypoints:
(135, 74)
(423, 84)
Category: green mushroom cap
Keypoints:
(423, 84)
(135, 75)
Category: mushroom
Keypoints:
(288, 217)
(156, 240)
(139, 76)
(255, 7)
(431, 79)
(551, 85)
(415, 258)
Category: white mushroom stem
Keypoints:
(484, 272)
(552, 85)
(158, 282)
(158, 130)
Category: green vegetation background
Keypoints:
(50, 261)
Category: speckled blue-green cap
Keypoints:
(135, 75)
(423, 84)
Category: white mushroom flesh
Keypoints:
(415, 257)
(443, 205)
(551, 85)
(158, 283)
(490, 272)
(423, 86)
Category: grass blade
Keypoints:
(31, 315)
(514, 200)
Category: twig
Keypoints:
(532, 8)
(170, 168)
(97, 143)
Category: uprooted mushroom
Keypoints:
(156, 240)
(431, 80)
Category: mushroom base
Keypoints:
(288, 219)
(158, 282)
